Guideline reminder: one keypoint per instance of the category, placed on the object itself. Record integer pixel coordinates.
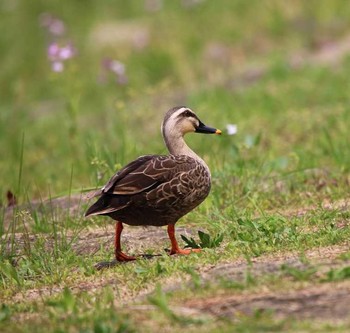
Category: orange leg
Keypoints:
(119, 255)
(175, 249)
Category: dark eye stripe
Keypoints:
(188, 113)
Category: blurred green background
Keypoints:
(277, 69)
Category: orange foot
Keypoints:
(184, 251)
(120, 256)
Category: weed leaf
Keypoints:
(206, 241)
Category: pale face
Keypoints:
(184, 120)
(181, 120)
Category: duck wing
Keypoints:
(141, 175)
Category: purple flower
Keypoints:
(58, 51)
(117, 68)
(58, 54)
(67, 52)
(52, 24)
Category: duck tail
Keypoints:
(93, 210)
(98, 208)
(107, 204)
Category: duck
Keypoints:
(157, 190)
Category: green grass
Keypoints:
(65, 132)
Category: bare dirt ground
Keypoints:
(326, 301)
(319, 302)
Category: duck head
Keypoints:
(181, 120)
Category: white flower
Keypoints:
(231, 129)
(117, 67)
(57, 66)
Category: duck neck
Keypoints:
(177, 146)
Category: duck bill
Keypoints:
(207, 130)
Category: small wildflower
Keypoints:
(58, 54)
(52, 51)
(231, 129)
(52, 24)
(117, 68)
(57, 66)
(57, 51)
(67, 52)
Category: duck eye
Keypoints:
(188, 114)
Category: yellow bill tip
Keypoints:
(218, 132)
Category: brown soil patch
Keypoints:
(325, 302)
(324, 258)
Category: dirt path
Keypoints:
(325, 302)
